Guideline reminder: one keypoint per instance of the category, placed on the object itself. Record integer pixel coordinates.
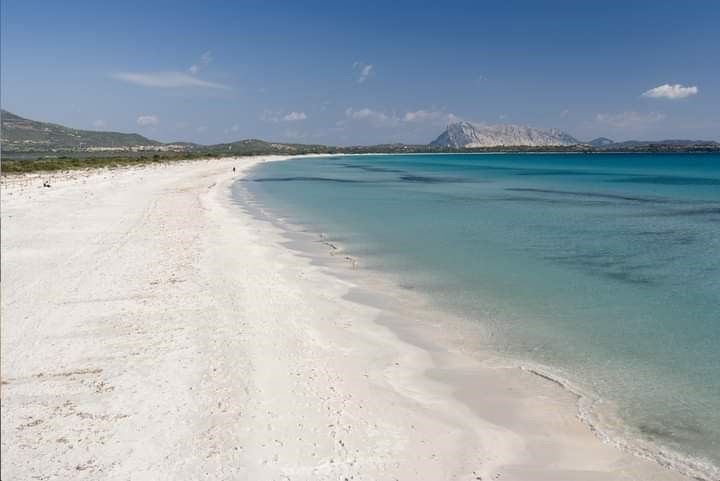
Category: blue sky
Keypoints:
(364, 72)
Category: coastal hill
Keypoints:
(22, 134)
(470, 135)
(600, 142)
(24, 139)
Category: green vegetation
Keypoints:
(72, 161)
(20, 134)
(75, 163)
(256, 147)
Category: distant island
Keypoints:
(468, 135)
(24, 139)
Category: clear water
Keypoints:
(604, 267)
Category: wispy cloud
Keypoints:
(375, 117)
(204, 61)
(277, 116)
(145, 120)
(378, 118)
(268, 115)
(233, 129)
(99, 124)
(363, 70)
(166, 80)
(629, 119)
(295, 116)
(672, 92)
(431, 116)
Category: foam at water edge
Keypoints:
(588, 411)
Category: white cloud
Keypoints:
(379, 118)
(364, 71)
(145, 120)
(365, 113)
(277, 116)
(295, 116)
(233, 129)
(629, 119)
(564, 113)
(376, 118)
(204, 61)
(434, 117)
(270, 116)
(99, 124)
(166, 80)
(672, 92)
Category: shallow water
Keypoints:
(604, 268)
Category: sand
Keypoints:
(153, 329)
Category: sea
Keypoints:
(603, 269)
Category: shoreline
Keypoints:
(154, 329)
(585, 403)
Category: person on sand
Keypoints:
(233, 170)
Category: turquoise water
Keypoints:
(605, 268)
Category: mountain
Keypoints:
(28, 139)
(20, 134)
(469, 135)
(601, 142)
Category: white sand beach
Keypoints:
(154, 330)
